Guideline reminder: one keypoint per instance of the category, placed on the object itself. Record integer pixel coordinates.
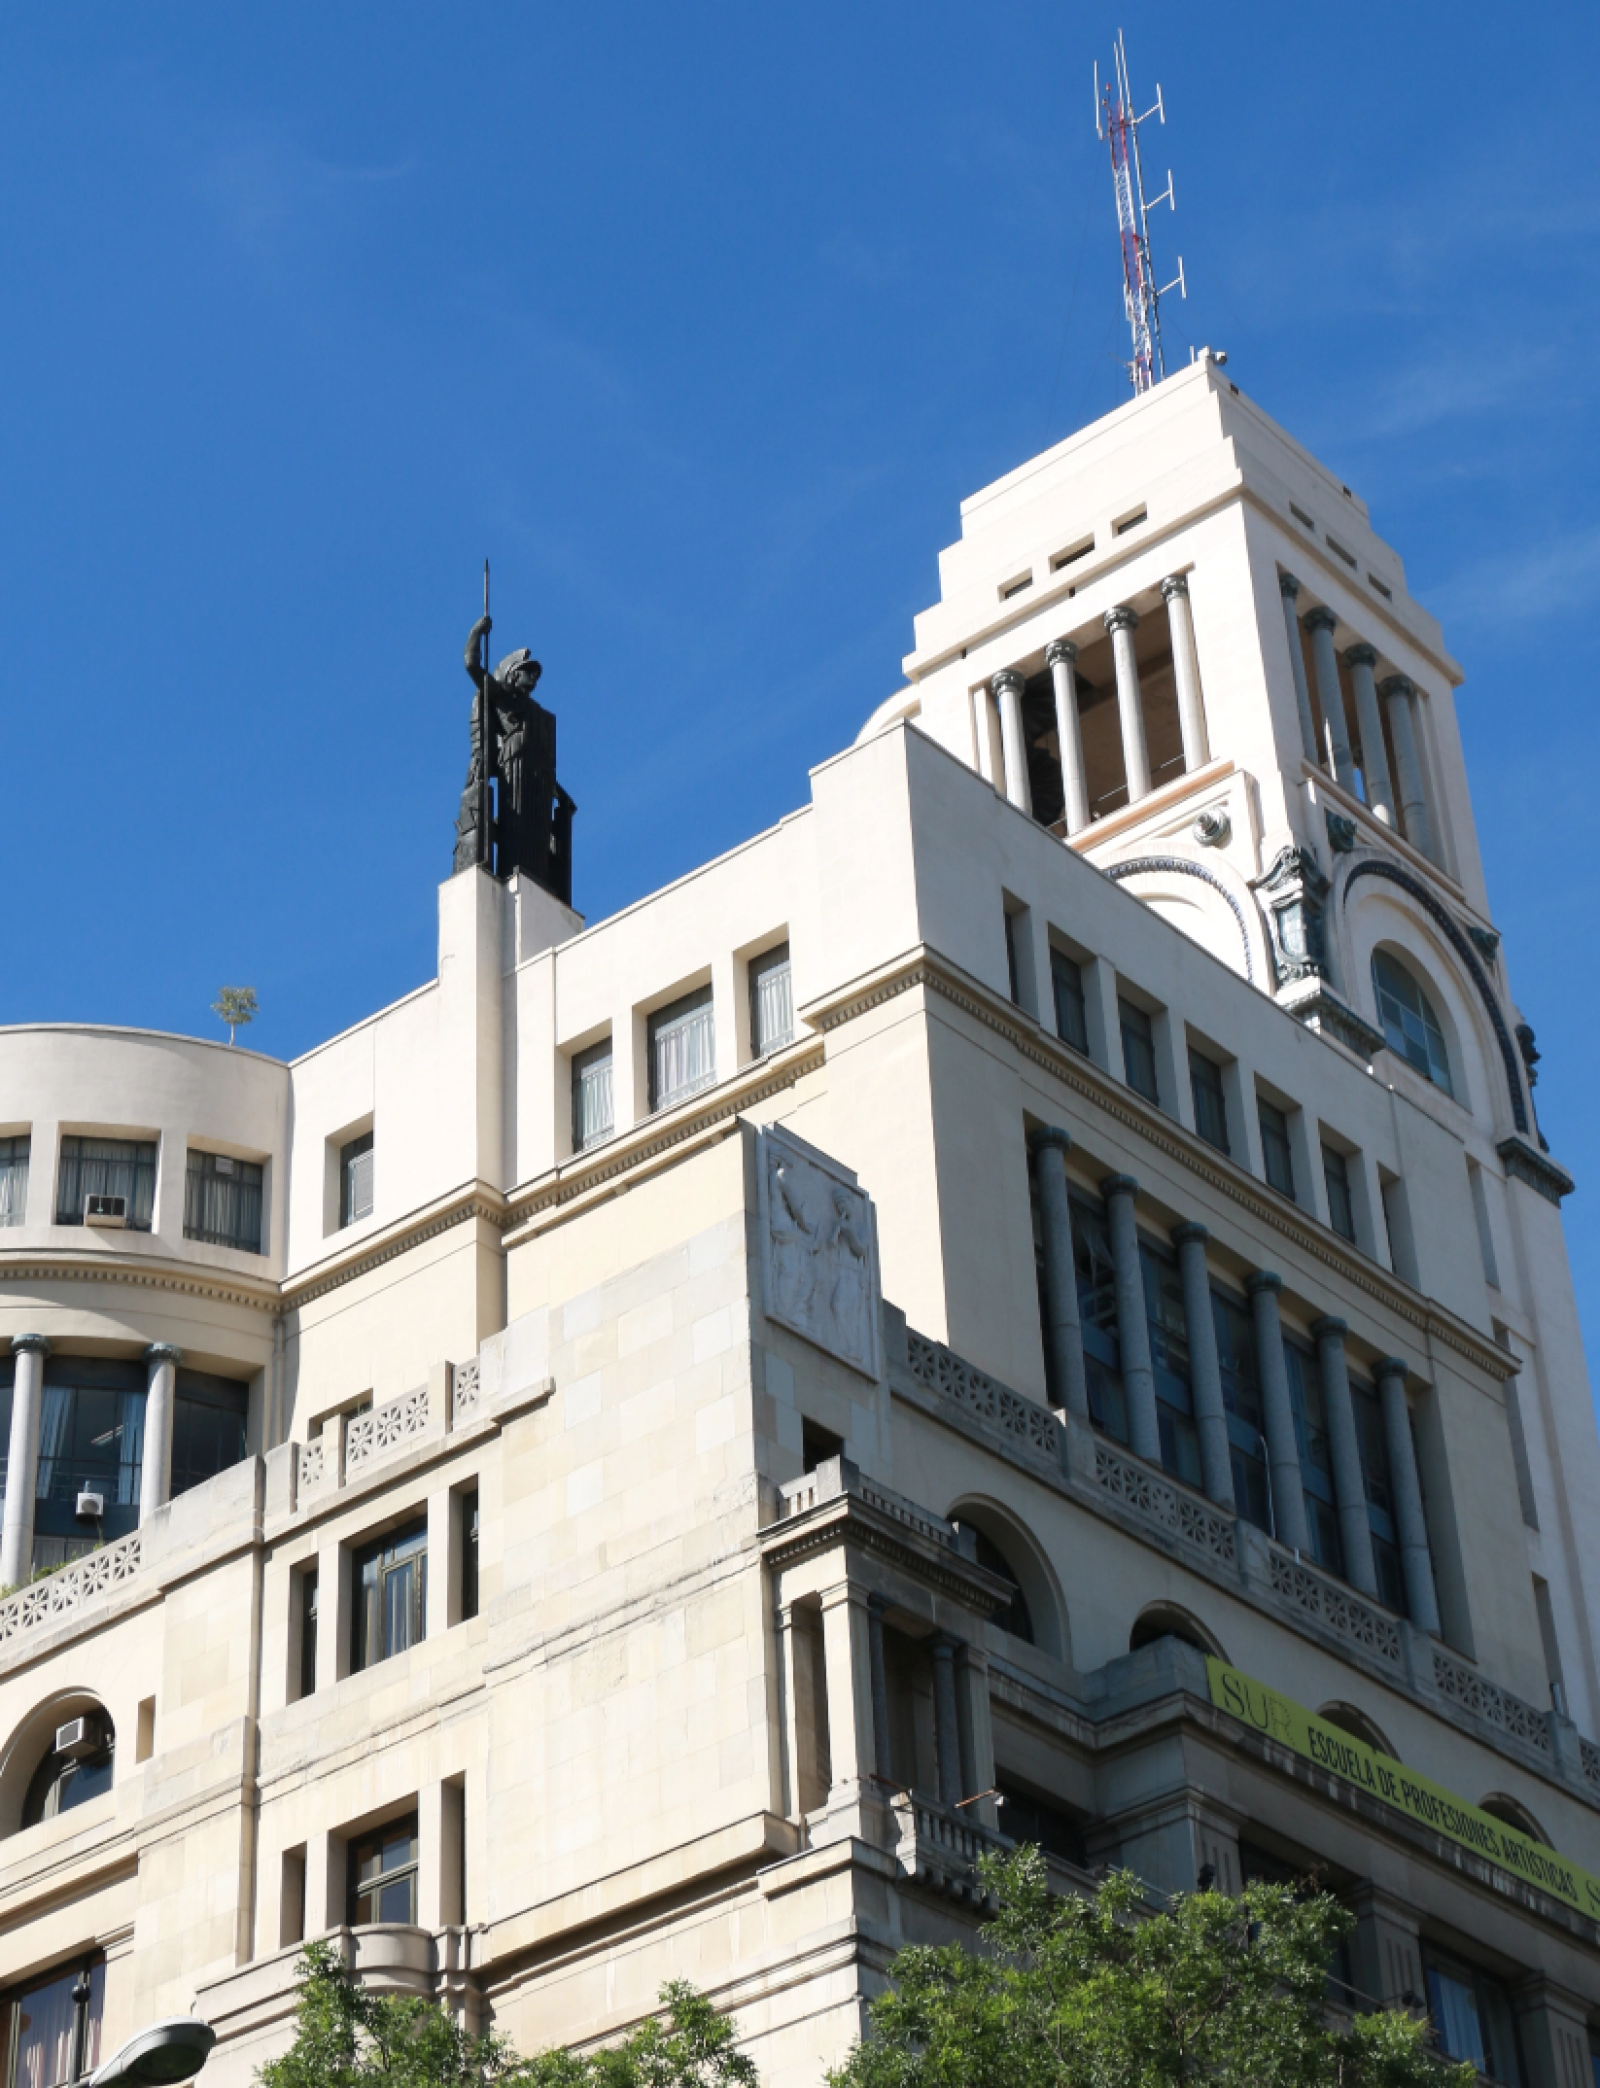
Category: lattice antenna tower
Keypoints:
(1115, 121)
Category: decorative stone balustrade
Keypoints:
(1331, 1603)
(1487, 1700)
(464, 1392)
(1024, 1420)
(838, 1476)
(69, 1588)
(941, 1848)
(370, 1435)
(1187, 1515)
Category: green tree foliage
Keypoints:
(1102, 1993)
(236, 1006)
(349, 2037)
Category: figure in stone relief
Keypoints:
(793, 1243)
(850, 1252)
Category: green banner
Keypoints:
(1331, 1748)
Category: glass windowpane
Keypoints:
(771, 1001)
(122, 1167)
(1336, 1175)
(1277, 1158)
(592, 1104)
(682, 1050)
(1410, 1027)
(1138, 1051)
(1072, 1018)
(222, 1201)
(1210, 1105)
(14, 1179)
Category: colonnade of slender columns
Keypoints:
(1122, 622)
(1360, 660)
(1322, 623)
(1289, 588)
(1280, 1442)
(1061, 657)
(1399, 694)
(1007, 688)
(155, 1480)
(1186, 672)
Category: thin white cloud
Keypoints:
(1557, 578)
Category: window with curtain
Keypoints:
(14, 1178)
(391, 1591)
(91, 1440)
(124, 1167)
(1410, 1027)
(1277, 1156)
(209, 1421)
(1072, 1014)
(1336, 1177)
(1210, 1104)
(39, 2023)
(1138, 1051)
(383, 1874)
(222, 1201)
(1309, 1401)
(683, 1054)
(1380, 1500)
(771, 1001)
(1241, 1399)
(592, 1104)
(1169, 1357)
(355, 1179)
(1473, 2018)
(1097, 1314)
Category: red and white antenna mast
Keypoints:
(1114, 120)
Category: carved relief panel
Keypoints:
(819, 1252)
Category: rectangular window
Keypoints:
(1310, 1405)
(771, 1001)
(1210, 1104)
(91, 1441)
(383, 1875)
(222, 1201)
(1277, 1156)
(1013, 977)
(355, 1179)
(14, 1179)
(1097, 1315)
(592, 1118)
(1241, 1399)
(1138, 1050)
(124, 1167)
(306, 1594)
(1336, 1176)
(391, 1590)
(1472, 2018)
(210, 1416)
(39, 2024)
(1374, 1449)
(683, 1052)
(469, 1554)
(1072, 1015)
(1169, 1357)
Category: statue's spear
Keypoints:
(486, 737)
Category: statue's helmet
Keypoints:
(518, 669)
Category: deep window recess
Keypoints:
(124, 1167)
(222, 1201)
(1316, 1455)
(1241, 1397)
(81, 1772)
(209, 1418)
(771, 1001)
(1097, 1315)
(1380, 1500)
(1410, 1027)
(1015, 1617)
(1277, 1156)
(14, 1179)
(383, 1874)
(306, 1590)
(355, 1179)
(817, 1444)
(1026, 1818)
(1210, 1104)
(1072, 1018)
(1336, 1177)
(1138, 1051)
(1473, 2018)
(592, 1104)
(91, 1441)
(39, 2025)
(391, 1588)
(1013, 978)
(683, 1053)
(1169, 1356)
(469, 1554)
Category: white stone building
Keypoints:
(643, 1457)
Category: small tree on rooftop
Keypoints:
(236, 1006)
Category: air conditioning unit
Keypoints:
(110, 1211)
(79, 1737)
(91, 1506)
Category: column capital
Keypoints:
(1288, 586)
(1007, 680)
(1049, 1135)
(1397, 685)
(1060, 650)
(1123, 618)
(1329, 1327)
(1320, 619)
(1120, 1185)
(1362, 655)
(941, 1645)
(1263, 1280)
(1391, 1367)
(1190, 1234)
(38, 1343)
(163, 1352)
(1174, 584)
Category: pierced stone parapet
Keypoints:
(464, 1392)
(1024, 1420)
(70, 1588)
(1332, 1604)
(941, 1848)
(1589, 1761)
(1463, 1685)
(311, 1466)
(385, 1428)
(1133, 1483)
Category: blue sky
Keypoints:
(701, 322)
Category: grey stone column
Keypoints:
(1283, 1446)
(946, 1718)
(1186, 669)
(1289, 588)
(1064, 1331)
(1133, 1321)
(880, 1687)
(1361, 659)
(1415, 822)
(1007, 689)
(1061, 657)
(1416, 1564)
(1321, 623)
(1349, 1487)
(155, 1480)
(1122, 623)
(22, 1459)
(1205, 1371)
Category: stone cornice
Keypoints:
(922, 967)
(847, 1518)
(476, 1200)
(45, 1266)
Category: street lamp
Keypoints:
(172, 2050)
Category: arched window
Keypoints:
(1357, 1724)
(1016, 1617)
(77, 1768)
(1410, 1027)
(1166, 1620)
(1501, 1807)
